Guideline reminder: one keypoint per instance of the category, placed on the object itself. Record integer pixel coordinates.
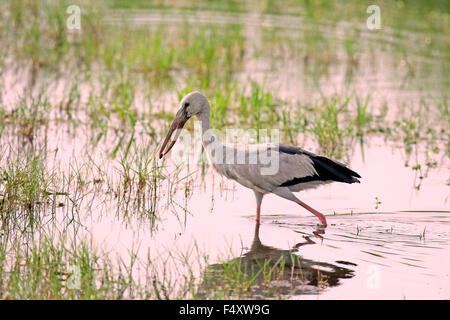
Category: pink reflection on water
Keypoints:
(385, 249)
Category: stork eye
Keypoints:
(186, 104)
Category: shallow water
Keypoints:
(390, 253)
(385, 238)
(396, 248)
(386, 252)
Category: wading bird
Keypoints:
(297, 169)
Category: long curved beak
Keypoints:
(177, 125)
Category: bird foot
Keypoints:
(323, 221)
(320, 230)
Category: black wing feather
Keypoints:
(327, 169)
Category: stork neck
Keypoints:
(207, 136)
(204, 119)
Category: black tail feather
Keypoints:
(327, 169)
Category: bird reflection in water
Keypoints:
(268, 272)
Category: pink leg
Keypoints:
(321, 217)
(258, 211)
(259, 196)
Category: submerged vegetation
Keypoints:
(82, 113)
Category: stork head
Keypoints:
(192, 104)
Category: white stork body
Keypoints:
(297, 169)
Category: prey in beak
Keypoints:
(177, 124)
